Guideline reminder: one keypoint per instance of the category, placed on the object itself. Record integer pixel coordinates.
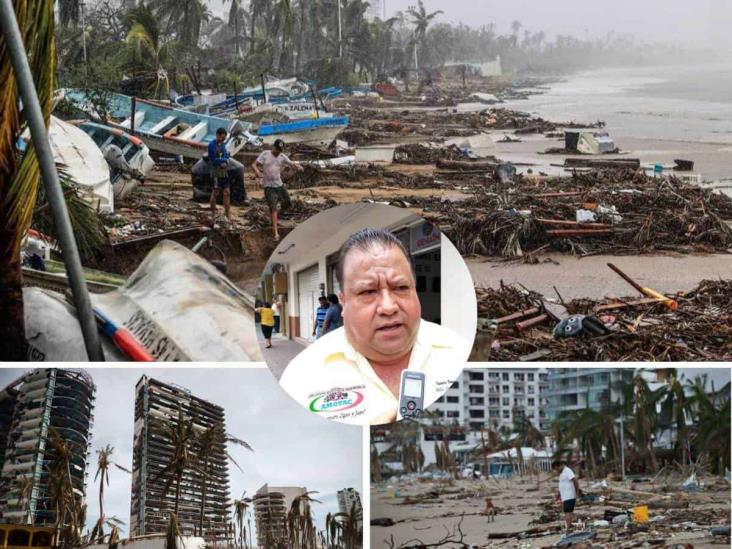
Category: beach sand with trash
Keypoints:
(430, 512)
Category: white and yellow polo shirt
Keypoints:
(332, 379)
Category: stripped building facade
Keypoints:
(39, 411)
(157, 409)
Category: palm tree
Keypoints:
(235, 13)
(711, 432)
(208, 444)
(675, 408)
(300, 522)
(104, 463)
(148, 49)
(181, 435)
(241, 507)
(640, 403)
(63, 489)
(20, 176)
(421, 21)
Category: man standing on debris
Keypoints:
(569, 490)
(268, 167)
(218, 156)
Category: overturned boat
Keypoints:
(80, 158)
(177, 307)
(128, 157)
(164, 129)
(316, 132)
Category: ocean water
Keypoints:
(690, 104)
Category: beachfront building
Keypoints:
(157, 409)
(271, 504)
(347, 498)
(579, 388)
(39, 412)
(495, 398)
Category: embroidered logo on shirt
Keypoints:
(336, 399)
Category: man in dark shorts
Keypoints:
(569, 490)
(218, 156)
(268, 168)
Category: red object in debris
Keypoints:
(387, 90)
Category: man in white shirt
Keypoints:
(353, 373)
(568, 490)
(268, 168)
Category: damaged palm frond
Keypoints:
(88, 227)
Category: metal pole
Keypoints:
(133, 112)
(32, 110)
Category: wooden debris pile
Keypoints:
(626, 212)
(640, 329)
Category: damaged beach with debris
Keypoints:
(649, 448)
(595, 227)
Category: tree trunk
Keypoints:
(298, 60)
(203, 497)
(178, 480)
(236, 36)
(253, 26)
(13, 344)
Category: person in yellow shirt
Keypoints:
(352, 374)
(267, 322)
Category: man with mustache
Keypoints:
(382, 335)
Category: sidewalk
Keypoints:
(283, 350)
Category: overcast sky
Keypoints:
(291, 446)
(700, 22)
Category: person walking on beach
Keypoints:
(218, 156)
(320, 313)
(333, 318)
(267, 322)
(268, 168)
(568, 492)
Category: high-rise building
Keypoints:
(157, 409)
(271, 504)
(347, 498)
(40, 411)
(580, 388)
(495, 397)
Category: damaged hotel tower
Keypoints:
(33, 409)
(157, 407)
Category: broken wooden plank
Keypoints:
(579, 232)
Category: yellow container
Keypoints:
(640, 514)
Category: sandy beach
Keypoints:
(522, 504)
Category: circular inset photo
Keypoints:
(366, 314)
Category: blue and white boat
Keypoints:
(316, 132)
(167, 130)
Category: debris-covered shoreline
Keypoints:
(412, 512)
